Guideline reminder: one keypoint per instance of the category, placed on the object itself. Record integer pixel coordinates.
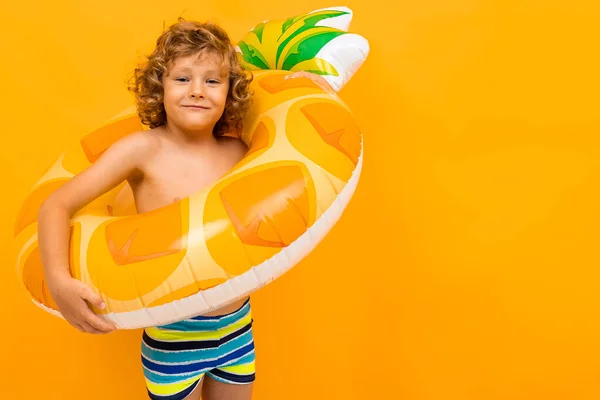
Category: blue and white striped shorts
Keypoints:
(176, 357)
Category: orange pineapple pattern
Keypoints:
(223, 242)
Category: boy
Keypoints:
(191, 91)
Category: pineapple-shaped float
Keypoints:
(249, 227)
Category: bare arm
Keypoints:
(123, 160)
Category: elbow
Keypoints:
(44, 209)
(51, 206)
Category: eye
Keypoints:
(181, 79)
(213, 81)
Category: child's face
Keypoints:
(195, 91)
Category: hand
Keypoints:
(318, 79)
(70, 296)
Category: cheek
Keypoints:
(223, 98)
(172, 94)
(170, 104)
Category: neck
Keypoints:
(203, 137)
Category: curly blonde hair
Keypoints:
(186, 38)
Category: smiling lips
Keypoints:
(196, 107)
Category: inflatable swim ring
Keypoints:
(249, 227)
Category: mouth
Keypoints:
(196, 107)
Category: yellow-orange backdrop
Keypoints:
(466, 267)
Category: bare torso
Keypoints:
(174, 171)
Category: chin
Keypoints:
(196, 125)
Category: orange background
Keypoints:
(466, 266)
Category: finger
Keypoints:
(93, 298)
(98, 323)
(88, 328)
(73, 323)
(90, 317)
(328, 88)
(323, 83)
(77, 326)
(299, 74)
(95, 331)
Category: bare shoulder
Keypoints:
(234, 146)
(124, 160)
(137, 148)
(139, 143)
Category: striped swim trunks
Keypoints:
(176, 357)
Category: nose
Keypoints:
(197, 91)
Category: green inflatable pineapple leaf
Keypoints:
(291, 44)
